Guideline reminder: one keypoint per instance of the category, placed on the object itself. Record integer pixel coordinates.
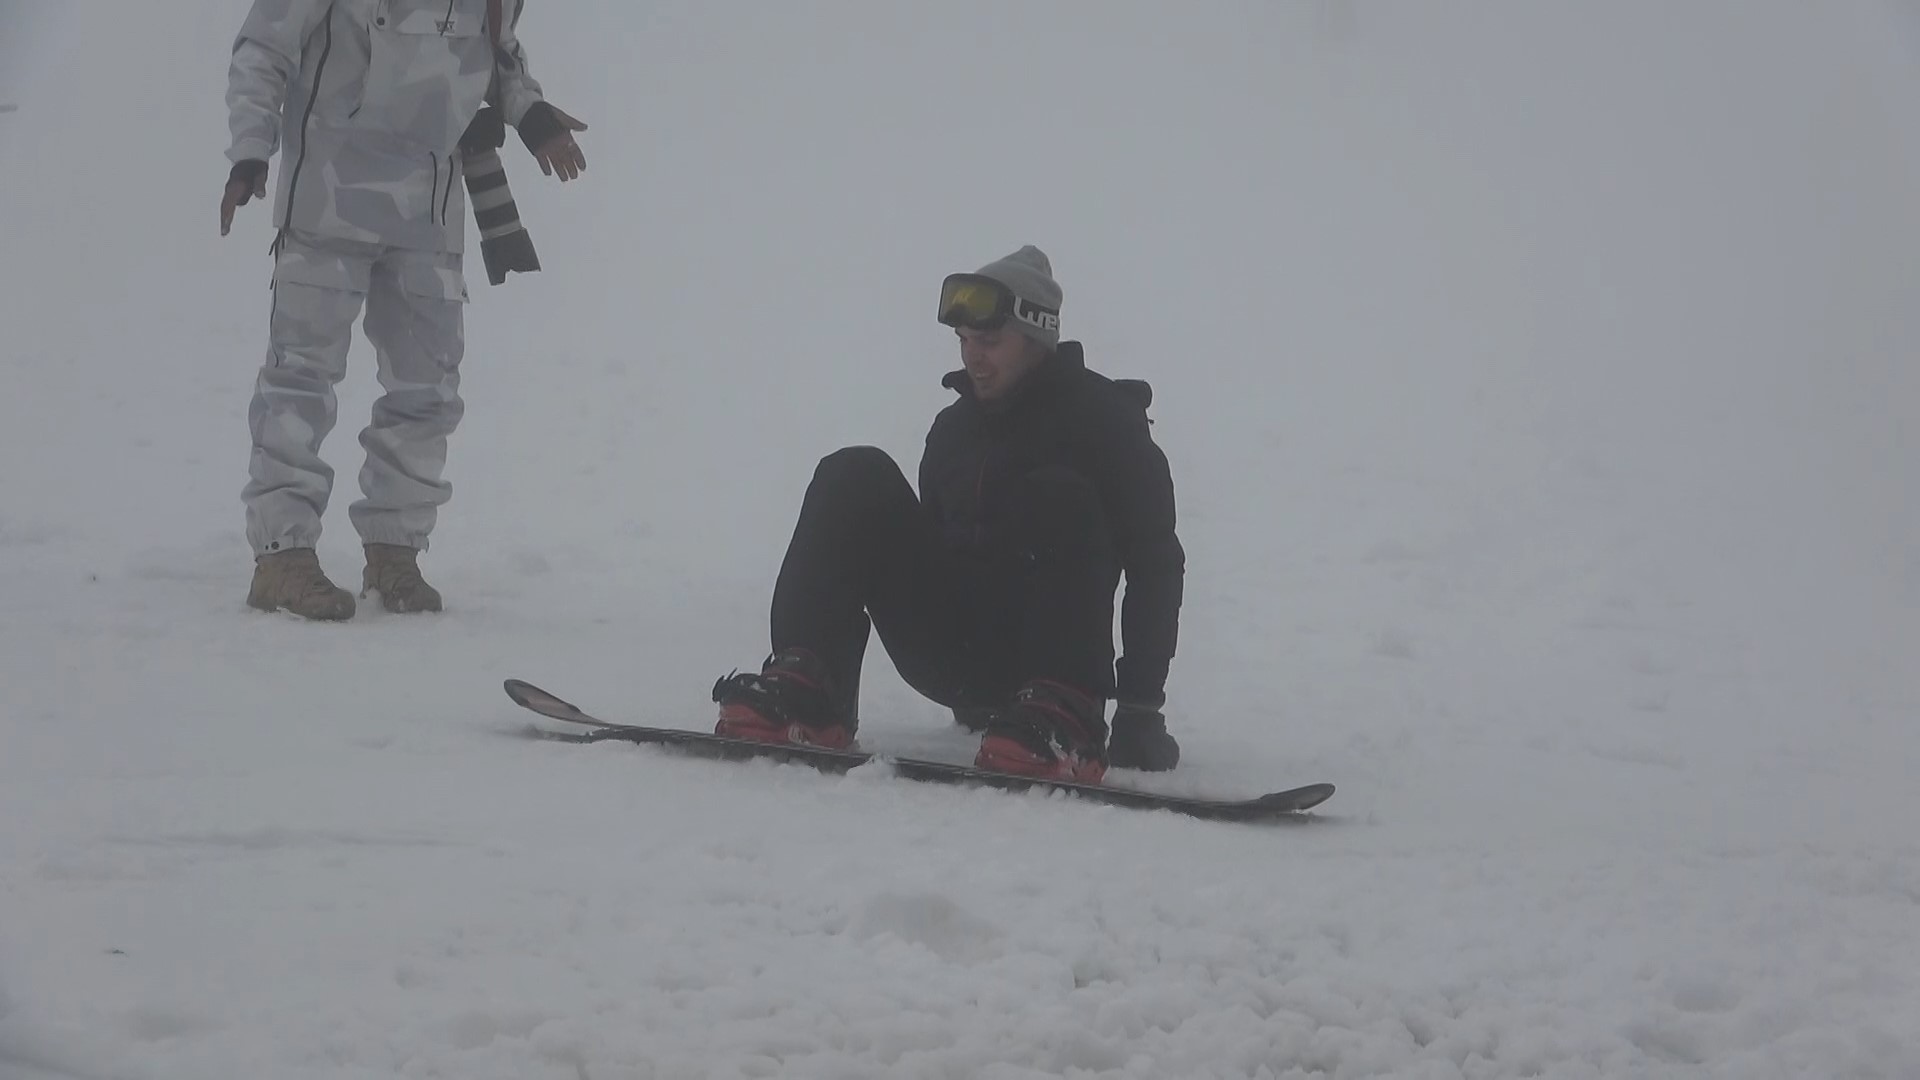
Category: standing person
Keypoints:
(374, 105)
(993, 589)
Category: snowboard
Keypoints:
(1275, 806)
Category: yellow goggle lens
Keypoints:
(972, 301)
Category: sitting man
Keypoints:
(993, 590)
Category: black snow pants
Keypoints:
(963, 628)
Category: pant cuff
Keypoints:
(274, 545)
(391, 534)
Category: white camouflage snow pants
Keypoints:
(413, 302)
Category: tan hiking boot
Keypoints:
(393, 571)
(292, 580)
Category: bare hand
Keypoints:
(561, 154)
(238, 193)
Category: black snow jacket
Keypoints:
(1064, 414)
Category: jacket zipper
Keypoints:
(319, 74)
(448, 197)
(980, 498)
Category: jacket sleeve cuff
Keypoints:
(539, 125)
(249, 150)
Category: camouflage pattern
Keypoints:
(366, 100)
(413, 302)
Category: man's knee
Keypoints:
(420, 341)
(858, 468)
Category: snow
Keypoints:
(1539, 386)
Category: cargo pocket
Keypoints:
(317, 293)
(434, 281)
(305, 264)
(424, 325)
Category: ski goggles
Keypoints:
(975, 302)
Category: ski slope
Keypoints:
(1539, 385)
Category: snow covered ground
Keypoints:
(1539, 383)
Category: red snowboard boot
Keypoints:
(1051, 732)
(790, 701)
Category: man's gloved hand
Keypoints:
(1139, 739)
(245, 182)
(548, 134)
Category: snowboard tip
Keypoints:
(1302, 798)
(529, 696)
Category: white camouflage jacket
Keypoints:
(368, 100)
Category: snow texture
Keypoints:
(1539, 383)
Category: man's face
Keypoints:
(996, 360)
